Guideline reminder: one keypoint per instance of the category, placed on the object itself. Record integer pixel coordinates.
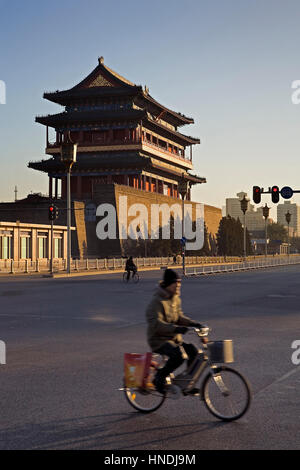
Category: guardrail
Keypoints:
(208, 265)
(243, 266)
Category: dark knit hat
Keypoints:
(170, 277)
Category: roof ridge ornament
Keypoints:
(101, 60)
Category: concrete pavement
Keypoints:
(65, 343)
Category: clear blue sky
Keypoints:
(227, 63)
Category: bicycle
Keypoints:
(225, 391)
(134, 278)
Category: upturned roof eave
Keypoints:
(182, 119)
(65, 96)
(54, 120)
(189, 139)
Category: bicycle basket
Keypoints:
(136, 369)
(221, 351)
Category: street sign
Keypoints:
(287, 192)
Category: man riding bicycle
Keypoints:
(166, 324)
(130, 266)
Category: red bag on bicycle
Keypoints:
(136, 369)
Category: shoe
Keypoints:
(159, 382)
(195, 392)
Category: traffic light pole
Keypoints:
(266, 211)
(183, 247)
(288, 243)
(68, 153)
(245, 250)
(69, 220)
(244, 208)
(266, 239)
(52, 248)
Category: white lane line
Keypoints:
(125, 325)
(281, 379)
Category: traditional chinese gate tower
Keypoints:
(127, 141)
(124, 136)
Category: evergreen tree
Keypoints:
(230, 238)
(277, 232)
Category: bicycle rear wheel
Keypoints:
(125, 277)
(226, 393)
(145, 400)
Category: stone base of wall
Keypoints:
(112, 194)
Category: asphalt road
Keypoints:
(65, 342)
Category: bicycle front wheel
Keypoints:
(135, 278)
(144, 400)
(226, 393)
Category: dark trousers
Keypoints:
(128, 272)
(175, 353)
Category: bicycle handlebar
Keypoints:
(204, 331)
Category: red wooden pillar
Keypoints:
(150, 184)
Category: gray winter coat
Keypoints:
(163, 315)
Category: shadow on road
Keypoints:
(112, 431)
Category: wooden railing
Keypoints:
(99, 143)
(165, 150)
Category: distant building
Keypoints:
(254, 218)
(24, 241)
(294, 210)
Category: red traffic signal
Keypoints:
(275, 194)
(53, 212)
(256, 194)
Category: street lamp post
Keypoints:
(288, 219)
(266, 211)
(68, 157)
(182, 189)
(244, 208)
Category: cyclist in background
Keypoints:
(166, 324)
(130, 266)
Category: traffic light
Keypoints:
(53, 212)
(275, 194)
(256, 194)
